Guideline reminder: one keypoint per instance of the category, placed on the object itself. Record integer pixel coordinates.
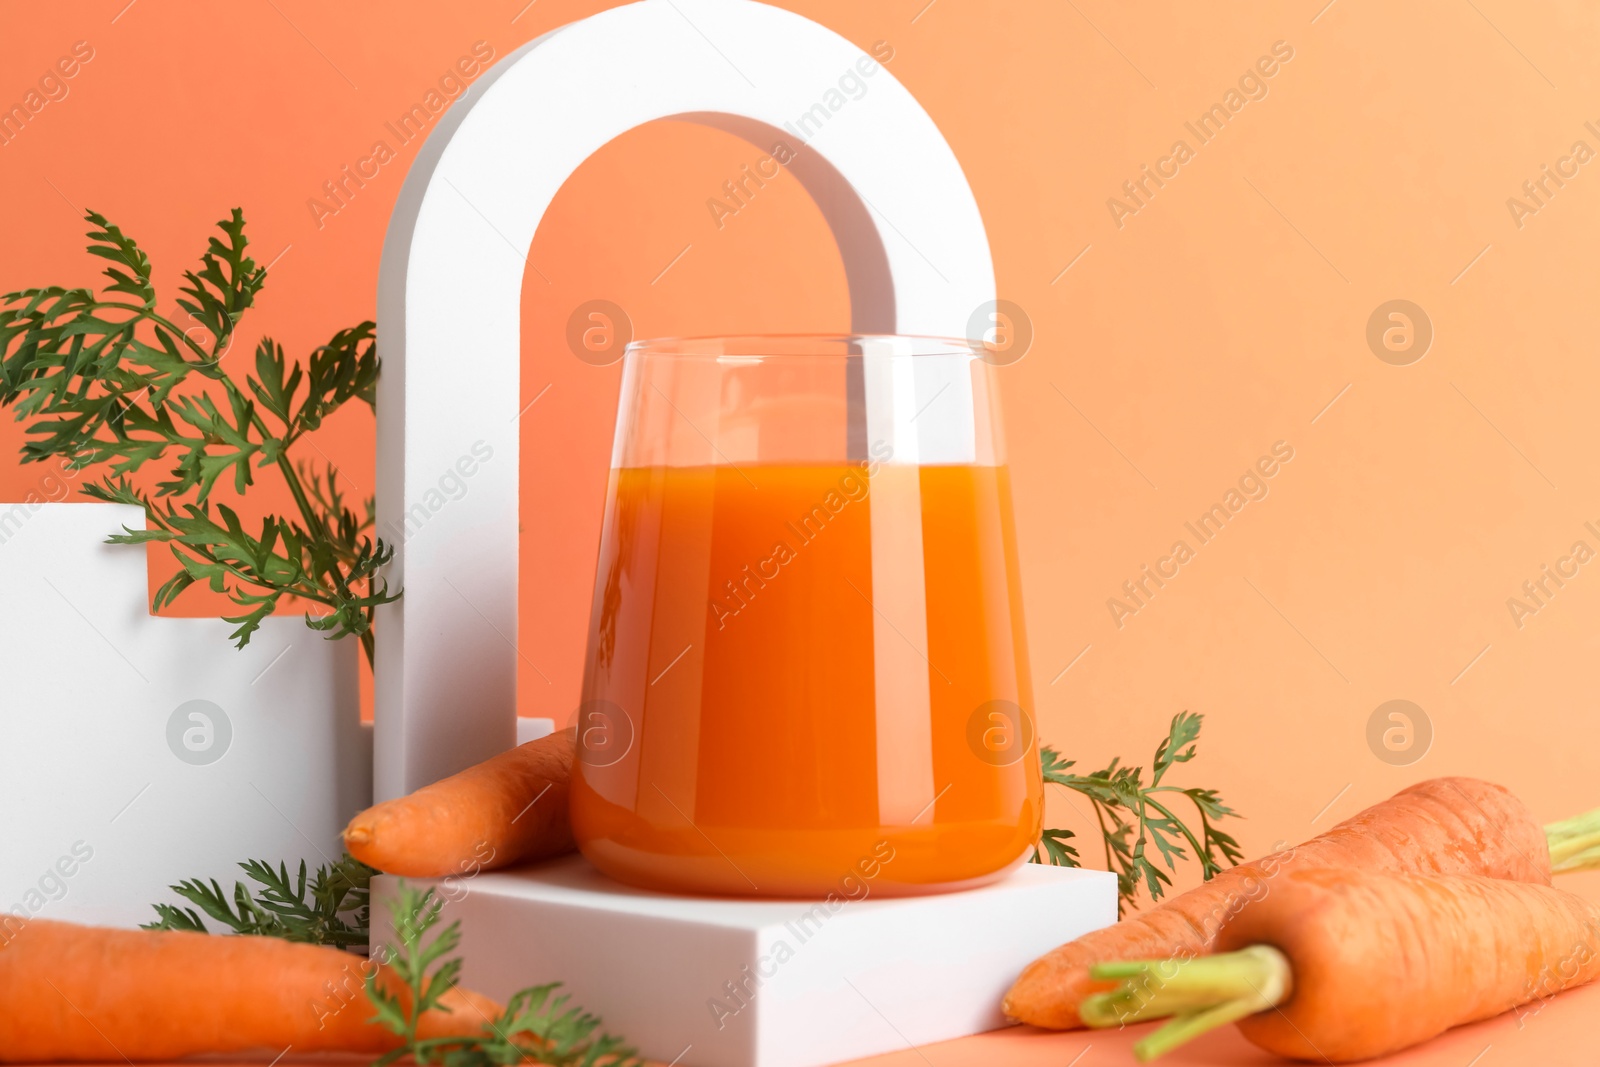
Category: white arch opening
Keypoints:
(915, 253)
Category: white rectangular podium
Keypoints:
(707, 982)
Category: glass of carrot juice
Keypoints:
(806, 670)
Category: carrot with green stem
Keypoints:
(1443, 826)
(509, 809)
(1344, 965)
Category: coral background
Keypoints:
(1229, 312)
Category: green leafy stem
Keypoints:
(108, 380)
(1135, 817)
(537, 1025)
(330, 907)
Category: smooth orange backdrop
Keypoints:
(1223, 316)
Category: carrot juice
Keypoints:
(807, 679)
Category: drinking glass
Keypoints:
(806, 670)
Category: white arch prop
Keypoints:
(449, 291)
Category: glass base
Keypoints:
(719, 876)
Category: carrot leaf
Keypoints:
(329, 907)
(1055, 845)
(537, 1025)
(419, 962)
(1143, 838)
(1178, 747)
(108, 381)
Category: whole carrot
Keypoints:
(1343, 965)
(505, 810)
(1440, 826)
(73, 993)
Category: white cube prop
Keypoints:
(766, 983)
(136, 751)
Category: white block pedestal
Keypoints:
(136, 751)
(759, 983)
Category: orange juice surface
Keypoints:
(806, 680)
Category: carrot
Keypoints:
(505, 810)
(1441, 826)
(1343, 965)
(73, 993)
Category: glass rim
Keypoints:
(761, 346)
